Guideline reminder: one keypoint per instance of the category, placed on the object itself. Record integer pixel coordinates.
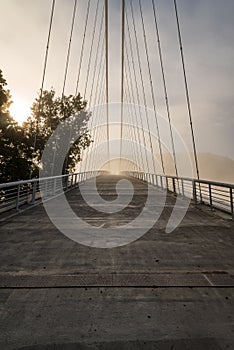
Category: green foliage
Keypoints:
(14, 151)
(48, 111)
(21, 147)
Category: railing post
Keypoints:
(18, 198)
(231, 203)
(194, 192)
(182, 185)
(174, 187)
(210, 197)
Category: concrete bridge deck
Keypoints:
(58, 294)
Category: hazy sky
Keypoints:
(207, 31)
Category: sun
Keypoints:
(20, 110)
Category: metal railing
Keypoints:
(13, 195)
(215, 194)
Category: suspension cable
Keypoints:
(43, 77)
(143, 86)
(96, 57)
(186, 89)
(100, 70)
(65, 76)
(165, 86)
(82, 47)
(98, 79)
(137, 93)
(122, 77)
(134, 104)
(89, 65)
(91, 48)
(128, 100)
(132, 129)
(107, 79)
(69, 47)
(151, 85)
(131, 125)
(101, 101)
(99, 87)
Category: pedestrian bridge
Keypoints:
(87, 292)
(138, 260)
(197, 251)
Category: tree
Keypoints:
(21, 147)
(14, 151)
(48, 111)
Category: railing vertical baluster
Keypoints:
(161, 180)
(54, 187)
(67, 182)
(156, 178)
(34, 192)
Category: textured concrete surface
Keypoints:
(113, 318)
(50, 316)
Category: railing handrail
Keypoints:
(202, 191)
(215, 183)
(22, 182)
(15, 194)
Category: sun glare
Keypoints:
(19, 110)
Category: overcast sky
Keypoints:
(207, 30)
